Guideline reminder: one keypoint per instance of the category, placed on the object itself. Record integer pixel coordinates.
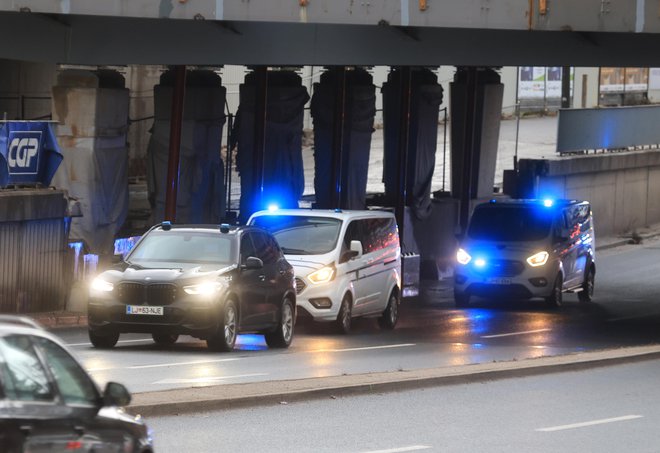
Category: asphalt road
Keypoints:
(612, 409)
(432, 333)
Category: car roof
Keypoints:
(205, 228)
(531, 202)
(15, 324)
(329, 213)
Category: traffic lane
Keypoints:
(608, 409)
(437, 334)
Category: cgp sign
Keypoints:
(30, 153)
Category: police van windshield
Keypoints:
(510, 223)
(301, 235)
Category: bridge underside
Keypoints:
(97, 40)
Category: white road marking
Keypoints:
(193, 362)
(367, 348)
(206, 380)
(120, 341)
(591, 423)
(402, 449)
(526, 332)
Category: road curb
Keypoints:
(233, 396)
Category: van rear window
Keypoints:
(510, 223)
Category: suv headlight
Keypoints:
(538, 259)
(203, 289)
(323, 275)
(100, 285)
(463, 257)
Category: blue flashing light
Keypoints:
(224, 227)
(273, 207)
(480, 262)
(548, 203)
(166, 225)
(125, 245)
(493, 200)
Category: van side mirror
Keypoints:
(356, 247)
(116, 259)
(116, 394)
(252, 262)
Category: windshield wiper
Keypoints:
(294, 251)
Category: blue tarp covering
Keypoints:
(29, 154)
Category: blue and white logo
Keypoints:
(23, 152)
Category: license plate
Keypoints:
(144, 310)
(499, 281)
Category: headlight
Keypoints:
(323, 275)
(463, 257)
(538, 259)
(100, 285)
(203, 289)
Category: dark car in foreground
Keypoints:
(48, 403)
(210, 282)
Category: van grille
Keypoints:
(300, 285)
(503, 268)
(151, 294)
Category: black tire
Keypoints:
(344, 317)
(224, 338)
(390, 316)
(283, 335)
(587, 293)
(165, 339)
(461, 300)
(554, 300)
(103, 341)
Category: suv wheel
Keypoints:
(283, 335)
(390, 316)
(587, 293)
(103, 341)
(225, 336)
(554, 300)
(344, 316)
(165, 339)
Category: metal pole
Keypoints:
(566, 87)
(176, 120)
(444, 152)
(338, 136)
(515, 154)
(261, 94)
(230, 144)
(404, 134)
(469, 143)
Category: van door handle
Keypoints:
(79, 430)
(26, 429)
(262, 278)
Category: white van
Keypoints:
(347, 263)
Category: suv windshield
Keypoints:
(300, 235)
(183, 247)
(510, 223)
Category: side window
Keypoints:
(272, 242)
(74, 384)
(352, 234)
(25, 377)
(247, 248)
(266, 250)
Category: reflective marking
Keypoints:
(591, 423)
(194, 362)
(526, 332)
(401, 449)
(367, 348)
(120, 341)
(207, 380)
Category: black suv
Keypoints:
(48, 403)
(211, 282)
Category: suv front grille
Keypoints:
(149, 294)
(503, 268)
(300, 285)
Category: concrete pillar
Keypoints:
(476, 106)
(201, 194)
(91, 109)
(346, 186)
(25, 89)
